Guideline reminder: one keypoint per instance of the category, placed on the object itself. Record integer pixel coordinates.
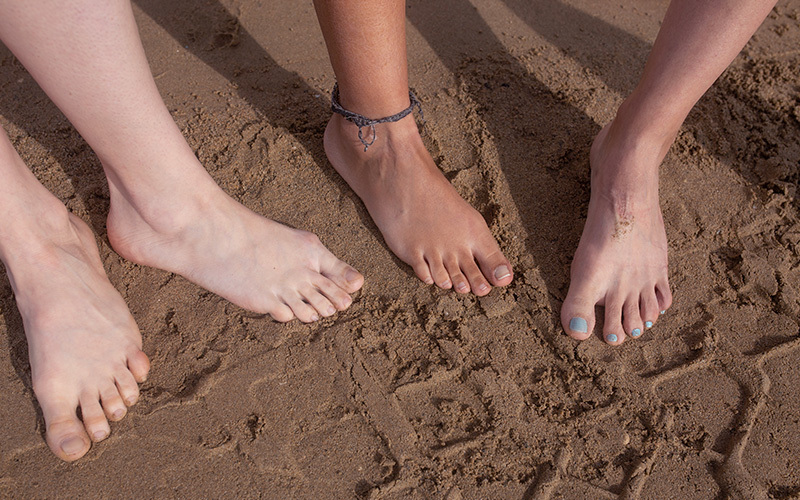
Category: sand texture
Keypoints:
(416, 392)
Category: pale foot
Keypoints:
(205, 236)
(421, 216)
(84, 345)
(621, 260)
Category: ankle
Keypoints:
(394, 136)
(35, 228)
(642, 122)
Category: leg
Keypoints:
(85, 348)
(166, 211)
(621, 261)
(423, 219)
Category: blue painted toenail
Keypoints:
(648, 324)
(578, 325)
(636, 332)
(611, 337)
(662, 312)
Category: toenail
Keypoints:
(331, 311)
(314, 318)
(130, 401)
(462, 287)
(502, 272)
(662, 312)
(483, 287)
(648, 324)
(636, 332)
(578, 325)
(119, 413)
(611, 337)
(351, 275)
(73, 445)
(447, 284)
(99, 435)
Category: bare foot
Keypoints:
(421, 216)
(84, 345)
(204, 235)
(621, 260)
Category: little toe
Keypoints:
(663, 296)
(112, 403)
(94, 418)
(139, 365)
(281, 313)
(422, 271)
(496, 268)
(577, 317)
(66, 435)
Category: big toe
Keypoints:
(577, 317)
(66, 434)
(495, 266)
(342, 274)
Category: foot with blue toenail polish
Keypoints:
(621, 260)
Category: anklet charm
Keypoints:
(362, 121)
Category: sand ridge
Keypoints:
(415, 392)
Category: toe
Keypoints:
(460, 282)
(496, 267)
(65, 432)
(302, 310)
(631, 319)
(648, 307)
(94, 418)
(439, 273)
(577, 315)
(319, 302)
(477, 281)
(127, 388)
(341, 273)
(112, 403)
(422, 271)
(663, 296)
(613, 333)
(139, 365)
(281, 313)
(340, 299)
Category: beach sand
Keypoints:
(416, 392)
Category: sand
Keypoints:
(416, 392)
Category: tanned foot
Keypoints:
(84, 345)
(621, 260)
(205, 236)
(421, 216)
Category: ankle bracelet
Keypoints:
(362, 121)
